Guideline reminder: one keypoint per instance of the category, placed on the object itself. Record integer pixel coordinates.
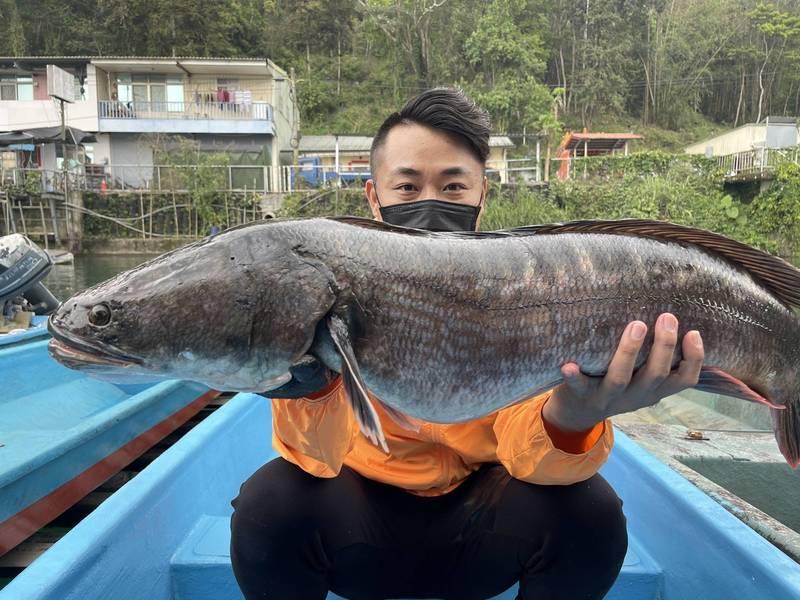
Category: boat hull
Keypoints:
(166, 528)
(63, 434)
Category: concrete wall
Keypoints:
(283, 114)
(102, 148)
(741, 139)
(132, 160)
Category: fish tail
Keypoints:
(786, 424)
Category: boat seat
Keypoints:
(201, 568)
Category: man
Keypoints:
(455, 511)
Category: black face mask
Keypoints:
(433, 215)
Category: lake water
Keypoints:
(88, 269)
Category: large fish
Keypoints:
(444, 327)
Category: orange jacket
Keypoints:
(320, 434)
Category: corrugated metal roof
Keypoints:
(327, 143)
(363, 143)
(596, 143)
(500, 141)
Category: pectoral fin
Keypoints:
(356, 391)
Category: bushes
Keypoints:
(658, 186)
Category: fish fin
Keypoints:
(781, 278)
(786, 425)
(401, 419)
(368, 420)
(717, 381)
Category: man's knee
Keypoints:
(273, 494)
(584, 519)
(273, 534)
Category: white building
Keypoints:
(773, 132)
(136, 106)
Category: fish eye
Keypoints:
(100, 315)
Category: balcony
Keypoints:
(185, 117)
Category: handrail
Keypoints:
(115, 109)
(233, 178)
(757, 161)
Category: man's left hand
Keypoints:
(581, 401)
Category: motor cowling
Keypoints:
(23, 265)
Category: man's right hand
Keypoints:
(308, 376)
(582, 401)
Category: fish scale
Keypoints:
(585, 324)
(446, 327)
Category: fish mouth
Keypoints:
(75, 353)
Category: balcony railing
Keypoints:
(114, 109)
(758, 163)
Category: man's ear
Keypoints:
(371, 192)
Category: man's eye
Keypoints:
(406, 187)
(454, 187)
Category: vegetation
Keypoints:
(648, 185)
(641, 63)
(675, 70)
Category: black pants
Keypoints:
(296, 536)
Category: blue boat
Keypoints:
(36, 331)
(62, 434)
(165, 534)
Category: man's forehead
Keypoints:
(412, 149)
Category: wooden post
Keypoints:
(44, 225)
(585, 156)
(227, 216)
(22, 218)
(141, 213)
(151, 216)
(547, 162)
(175, 212)
(6, 214)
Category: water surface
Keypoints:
(88, 269)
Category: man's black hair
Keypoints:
(445, 109)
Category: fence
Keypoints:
(757, 163)
(145, 214)
(230, 178)
(159, 178)
(114, 109)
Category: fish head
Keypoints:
(209, 312)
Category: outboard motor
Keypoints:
(22, 267)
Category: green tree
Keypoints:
(508, 56)
(12, 35)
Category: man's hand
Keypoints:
(581, 402)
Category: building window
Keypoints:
(158, 93)
(16, 88)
